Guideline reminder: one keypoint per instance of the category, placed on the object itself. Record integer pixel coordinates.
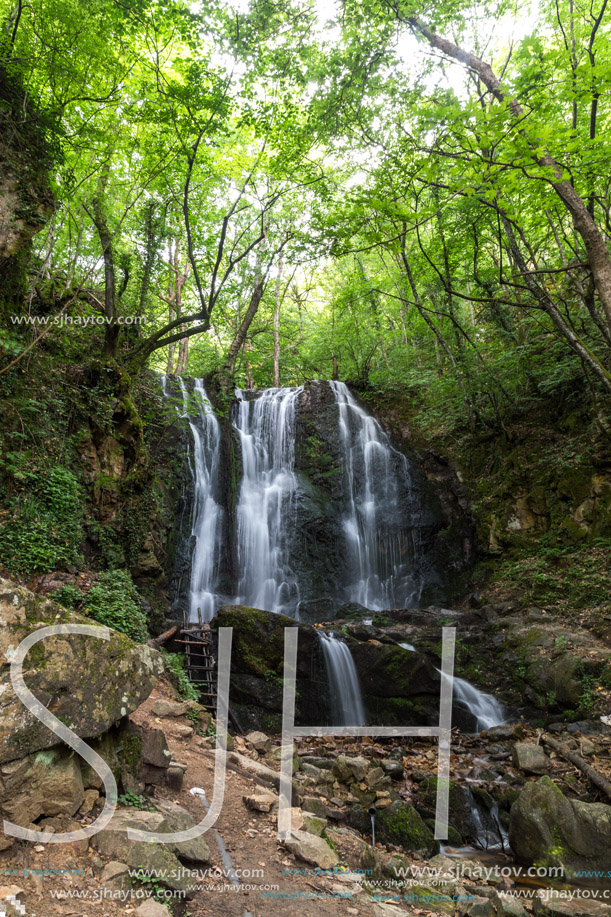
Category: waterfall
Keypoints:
(381, 543)
(485, 708)
(207, 513)
(346, 701)
(266, 521)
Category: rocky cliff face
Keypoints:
(439, 540)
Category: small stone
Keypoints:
(511, 906)
(10, 891)
(184, 732)
(174, 777)
(476, 907)
(313, 824)
(316, 806)
(152, 908)
(348, 769)
(164, 707)
(115, 875)
(311, 849)
(376, 779)
(394, 769)
(509, 731)
(380, 909)
(261, 802)
(91, 797)
(530, 758)
(550, 903)
(259, 741)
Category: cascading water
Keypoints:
(266, 506)
(381, 543)
(346, 701)
(207, 513)
(484, 708)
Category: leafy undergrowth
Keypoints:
(572, 582)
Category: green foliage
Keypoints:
(45, 532)
(153, 884)
(175, 667)
(135, 800)
(68, 596)
(113, 600)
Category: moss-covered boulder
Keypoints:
(88, 684)
(399, 688)
(257, 667)
(548, 829)
(399, 823)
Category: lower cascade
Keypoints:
(484, 708)
(345, 693)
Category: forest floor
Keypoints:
(283, 884)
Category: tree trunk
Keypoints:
(277, 323)
(111, 335)
(240, 337)
(183, 354)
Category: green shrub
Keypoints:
(113, 600)
(45, 531)
(68, 596)
(175, 667)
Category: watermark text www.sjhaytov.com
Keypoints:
(78, 321)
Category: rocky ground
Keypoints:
(519, 798)
(329, 865)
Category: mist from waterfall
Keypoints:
(381, 543)
(266, 520)
(345, 692)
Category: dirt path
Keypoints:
(250, 839)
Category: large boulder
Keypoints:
(257, 664)
(548, 829)
(398, 823)
(89, 684)
(114, 844)
(399, 687)
(44, 783)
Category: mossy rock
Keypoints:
(258, 638)
(94, 683)
(402, 825)
(548, 829)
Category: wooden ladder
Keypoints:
(200, 661)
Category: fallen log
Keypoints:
(162, 638)
(593, 776)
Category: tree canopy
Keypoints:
(393, 196)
